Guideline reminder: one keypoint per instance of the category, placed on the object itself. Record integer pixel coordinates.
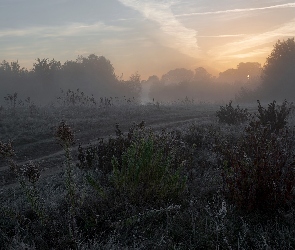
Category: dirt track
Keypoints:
(50, 158)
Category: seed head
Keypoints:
(6, 149)
(31, 171)
(64, 134)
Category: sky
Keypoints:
(150, 37)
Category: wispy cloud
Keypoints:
(181, 38)
(279, 6)
(254, 41)
(223, 36)
(60, 31)
(254, 53)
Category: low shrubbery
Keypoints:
(258, 171)
(231, 115)
(201, 187)
(146, 174)
(142, 166)
(274, 116)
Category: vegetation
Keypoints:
(196, 186)
(278, 72)
(258, 170)
(274, 116)
(231, 115)
(92, 74)
(186, 182)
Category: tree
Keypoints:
(202, 75)
(133, 86)
(248, 72)
(278, 75)
(177, 76)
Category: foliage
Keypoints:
(109, 217)
(231, 115)
(75, 98)
(278, 72)
(258, 171)
(146, 174)
(27, 175)
(144, 166)
(274, 116)
(91, 74)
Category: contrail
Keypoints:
(287, 5)
(181, 38)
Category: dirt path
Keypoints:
(51, 163)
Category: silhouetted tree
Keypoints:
(177, 76)
(248, 72)
(278, 76)
(202, 75)
(133, 85)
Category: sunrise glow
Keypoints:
(148, 36)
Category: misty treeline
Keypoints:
(199, 85)
(49, 79)
(95, 75)
(247, 83)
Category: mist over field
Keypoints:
(95, 75)
(160, 50)
(147, 124)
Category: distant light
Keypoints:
(248, 76)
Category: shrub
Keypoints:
(28, 175)
(274, 116)
(146, 175)
(258, 172)
(231, 115)
(141, 165)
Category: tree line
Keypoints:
(44, 82)
(95, 75)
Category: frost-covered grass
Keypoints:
(106, 204)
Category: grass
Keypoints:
(140, 189)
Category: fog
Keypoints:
(92, 79)
(49, 80)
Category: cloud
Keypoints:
(279, 6)
(179, 37)
(71, 29)
(254, 41)
(253, 53)
(223, 36)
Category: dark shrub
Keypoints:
(147, 174)
(274, 116)
(142, 166)
(258, 171)
(231, 115)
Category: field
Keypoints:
(78, 203)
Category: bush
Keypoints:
(146, 174)
(141, 165)
(231, 115)
(258, 172)
(274, 116)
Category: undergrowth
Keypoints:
(202, 187)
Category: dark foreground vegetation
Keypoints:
(225, 184)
